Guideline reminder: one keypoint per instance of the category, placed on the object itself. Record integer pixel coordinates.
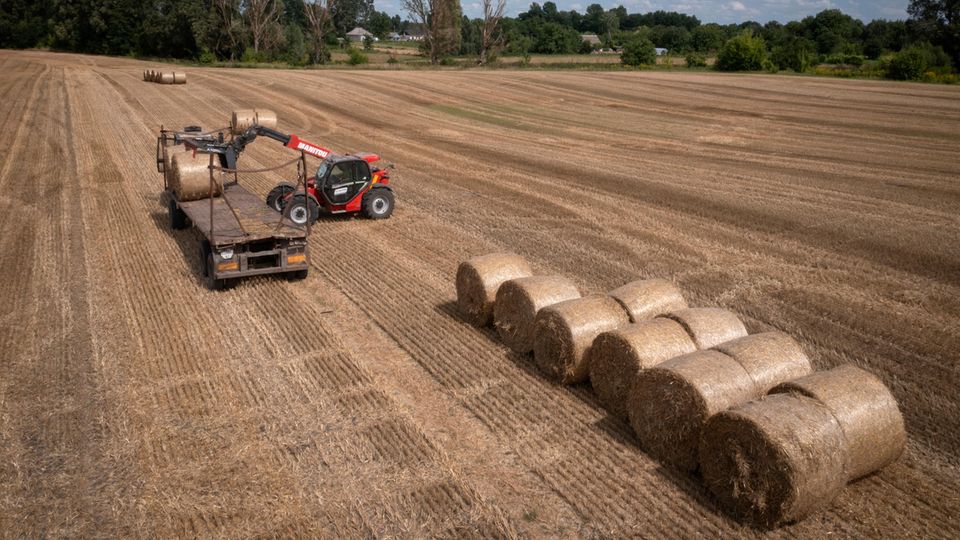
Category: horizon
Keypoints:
(708, 11)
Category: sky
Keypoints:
(718, 11)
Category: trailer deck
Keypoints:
(249, 220)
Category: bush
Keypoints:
(448, 61)
(844, 59)
(638, 51)
(367, 43)
(797, 55)
(696, 59)
(251, 57)
(745, 52)
(908, 64)
(207, 56)
(392, 60)
(357, 57)
(586, 47)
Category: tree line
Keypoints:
(304, 31)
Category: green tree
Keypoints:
(797, 54)
(745, 52)
(380, 24)
(638, 51)
(941, 20)
(708, 38)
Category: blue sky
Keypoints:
(720, 11)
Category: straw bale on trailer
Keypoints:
(478, 280)
(783, 457)
(669, 404)
(519, 300)
(565, 331)
(618, 356)
(190, 178)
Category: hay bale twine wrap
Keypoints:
(190, 180)
(565, 331)
(866, 411)
(775, 460)
(478, 280)
(709, 326)
(518, 301)
(179, 77)
(648, 298)
(166, 77)
(242, 119)
(668, 404)
(770, 358)
(618, 356)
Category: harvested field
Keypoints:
(134, 402)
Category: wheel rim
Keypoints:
(276, 203)
(380, 205)
(298, 215)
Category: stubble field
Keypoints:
(134, 402)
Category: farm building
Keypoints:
(358, 34)
(592, 39)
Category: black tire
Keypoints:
(276, 199)
(297, 275)
(299, 207)
(178, 218)
(212, 283)
(378, 204)
(204, 253)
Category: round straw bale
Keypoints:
(266, 118)
(617, 357)
(478, 280)
(668, 404)
(166, 77)
(565, 331)
(774, 460)
(518, 301)
(709, 326)
(866, 411)
(242, 119)
(191, 176)
(179, 77)
(770, 358)
(647, 298)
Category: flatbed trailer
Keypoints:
(239, 234)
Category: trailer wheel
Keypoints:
(212, 283)
(299, 209)
(378, 204)
(276, 199)
(178, 218)
(297, 275)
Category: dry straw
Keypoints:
(617, 357)
(709, 326)
(191, 176)
(866, 410)
(783, 457)
(243, 119)
(670, 403)
(648, 298)
(775, 460)
(179, 77)
(166, 78)
(478, 280)
(518, 301)
(565, 331)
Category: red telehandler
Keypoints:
(343, 184)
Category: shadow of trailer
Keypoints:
(240, 235)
